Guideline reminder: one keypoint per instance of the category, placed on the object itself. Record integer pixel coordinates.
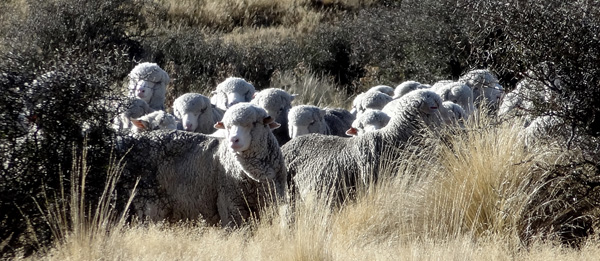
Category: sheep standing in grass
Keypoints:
(148, 82)
(368, 121)
(452, 114)
(406, 87)
(331, 165)
(305, 119)
(373, 100)
(196, 113)
(458, 93)
(231, 91)
(277, 103)
(186, 175)
(487, 91)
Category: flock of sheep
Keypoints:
(223, 158)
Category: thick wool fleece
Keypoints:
(331, 165)
(200, 105)
(153, 73)
(189, 175)
(277, 103)
(220, 97)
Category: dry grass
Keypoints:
(460, 203)
(311, 88)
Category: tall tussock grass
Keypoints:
(462, 199)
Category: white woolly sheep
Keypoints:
(196, 113)
(277, 103)
(305, 119)
(368, 121)
(452, 114)
(458, 93)
(440, 83)
(407, 87)
(148, 82)
(383, 89)
(543, 129)
(134, 108)
(487, 90)
(158, 120)
(332, 165)
(369, 100)
(186, 175)
(529, 92)
(231, 91)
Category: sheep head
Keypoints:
(240, 122)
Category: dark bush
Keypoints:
(59, 77)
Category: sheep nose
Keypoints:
(234, 140)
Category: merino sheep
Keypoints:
(148, 82)
(186, 175)
(406, 87)
(196, 113)
(487, 90)
(158, 120)
(277, 103)
(383, 89)
(458, 93)
(135, 108)
(368, 121)
(231, 91)
(332, 165)
(305, 119)
(452, 114)
(369, 100)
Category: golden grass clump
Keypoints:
(458, 198)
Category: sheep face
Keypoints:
(143, 89)
(243, 120)
(306, 119)
(430, 104)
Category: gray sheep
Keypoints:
(148, 82)
(487, 91)
(452, 114)
(277, 103)
(369, 100)
(406, 87)
(231, 91)
(305, 119)
(196, 113)
(458, 93)
(158, 120)
(335, 166)
(383, 89)
(186, 175)
(134, 108)
(368, 121)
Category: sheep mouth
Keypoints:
(433, 107)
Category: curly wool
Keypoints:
(277, 103)
(200, 105)
(458, 93)
(331, 165)
(153, 73)
(189, 175)
(369, 100)
(406, 87)
(305, 119)
(232, 85)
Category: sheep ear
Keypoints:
(293, 96)
(219, 125)
(140, 124)
(271, 122)
(254, 95)
(352, 132)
